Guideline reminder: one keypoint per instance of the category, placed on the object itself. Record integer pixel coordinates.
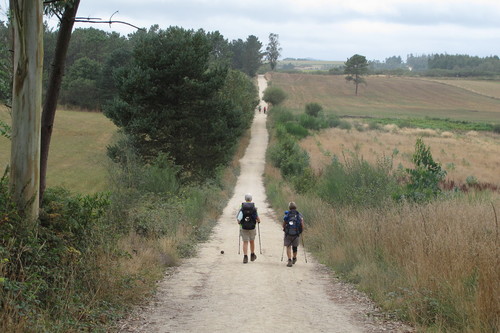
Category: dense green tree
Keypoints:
(356, 66)
(172, 100)
(313, 109)
(274, 95)
(253, 55)
(417, 62)
(80, 86)
(246, 55)
(273, 50)
(116, 61)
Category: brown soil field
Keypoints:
(471, 154)
(481, 87)
(383, 96)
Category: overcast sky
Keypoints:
(324, 29)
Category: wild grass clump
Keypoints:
(357, 182)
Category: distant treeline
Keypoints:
(94, 56)
(460, 65)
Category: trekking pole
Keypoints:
(260, 246)
(283, 251)
(239, 241)
(303, 246)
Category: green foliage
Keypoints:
(424, 179)
(496, 128)
(288, 157)
(462, 65)
(173, 100)
(5, 130)
(247, 56)
(5, 64)
(273, 50)
(80, 85)
(274, 95)
(39, 265)
(281, 115)
(356, 182)
(356, 66)
(296, 129)
(312, 123)
(313, 109)
(436, 123)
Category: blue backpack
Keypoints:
(293, 226)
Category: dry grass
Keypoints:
(461, 155)
(394, 97)
(77, 157)
(130, 277)
(481, 87)
(439, 261)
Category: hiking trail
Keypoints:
(216, 292)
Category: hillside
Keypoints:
(384, 96)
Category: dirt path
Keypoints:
(216, 292)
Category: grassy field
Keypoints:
(77, 154)
(466, 156)
(393, 97)
(481, 87)
(310, 65)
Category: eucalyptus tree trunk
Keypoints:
(54, 86)
(27, 22)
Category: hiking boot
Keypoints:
(245, 259)
(289, 263)
(294, 260)
(253, 257)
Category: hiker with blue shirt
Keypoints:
(293, 225)
(247, 219)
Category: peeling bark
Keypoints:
(27, 19)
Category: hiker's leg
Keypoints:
(252, 246)
(245, 247)
(295, 249)
(289, 252)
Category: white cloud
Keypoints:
(324, 29)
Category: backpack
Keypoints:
(293, 226)
(248, 221)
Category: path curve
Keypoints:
(216, 292)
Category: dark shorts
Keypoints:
(291, 240)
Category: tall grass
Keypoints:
(434, 265)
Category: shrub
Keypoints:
(296, 129)
(356, 182)
(311, 122)
(496, 128)
(344, 125)
(288, 157)
(281, 115)
(313, 109)
(274, 95)
(425, 177)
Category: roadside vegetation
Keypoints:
(394, 213)
(102, 242)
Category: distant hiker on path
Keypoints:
(260, 108)
(247, 219)
(293, 224)
(264, 109)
